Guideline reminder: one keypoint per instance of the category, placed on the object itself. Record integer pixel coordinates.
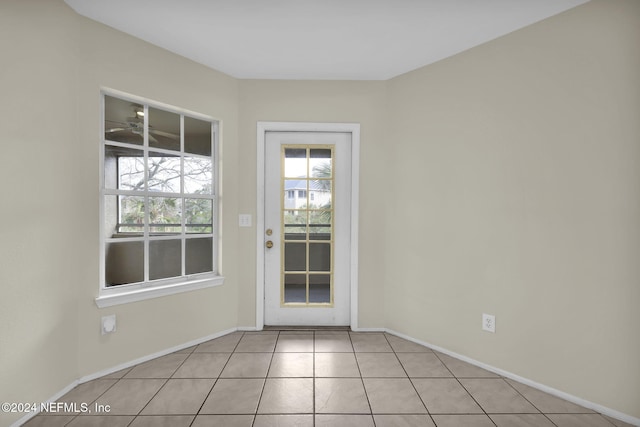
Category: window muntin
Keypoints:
(158, 196)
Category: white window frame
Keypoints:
(126, 293)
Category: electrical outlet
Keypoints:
(489, 322)
(108, 324)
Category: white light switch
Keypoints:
(244, 220)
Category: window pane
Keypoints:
(295, 256)
(320, 288)
(111, 217)
(198, 173)
(165, 259)
(295, 288)
(164, 129)
(164, 173)
(124, 263)
(199, 255)
(122, 123)
(198, 215)
(123, 168)
(131, 214)
(197, 136)
(165, 215)
(295, 162)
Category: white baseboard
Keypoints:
(53, 398)
(146, 358)
(369, 329)
(552, 391)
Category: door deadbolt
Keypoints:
(269, 232)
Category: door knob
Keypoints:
(269, 244)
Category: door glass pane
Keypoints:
(320, 163)
(164, 129)
(123, 121)
(165, 259)
(124, 263)
(295, 288)
(320, 288)
(319, 256)
(295, 225)
(295, 193)
(295, 256)
(198, 255)
(295, 162)
(197, 136)
(320, 225)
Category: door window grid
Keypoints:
(306, 232)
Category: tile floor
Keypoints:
(314, 378)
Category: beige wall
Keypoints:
(53, 65)
(38, 307)
(526, 155)
(108, 58)
(502, 180)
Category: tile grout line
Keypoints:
(465, 389)
(531, 403)
(313, 348)
(266, 375)
(216, 381)
(409, 377)
(161, 387)
(362, 380)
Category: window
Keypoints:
(291, 194)
(159, 227)
(302, 194)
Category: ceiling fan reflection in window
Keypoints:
(124, 122)
(135, 125)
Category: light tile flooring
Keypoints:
(314, 378)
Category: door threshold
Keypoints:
(306, 328)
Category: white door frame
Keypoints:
(263, 128)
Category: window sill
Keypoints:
(125, 297)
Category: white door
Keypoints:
(307, 228)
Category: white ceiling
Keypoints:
(318, 39)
